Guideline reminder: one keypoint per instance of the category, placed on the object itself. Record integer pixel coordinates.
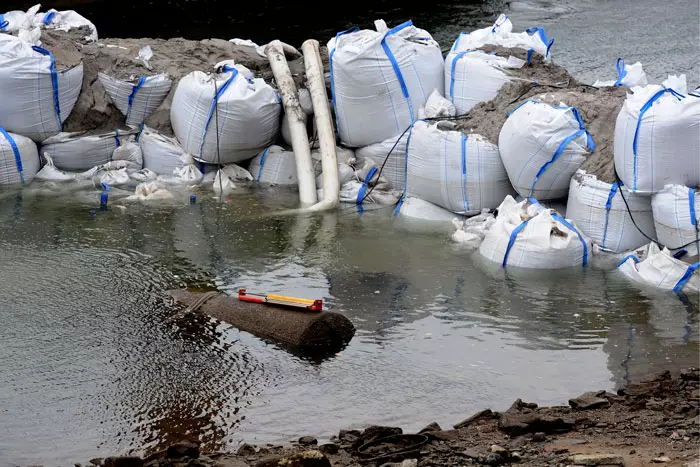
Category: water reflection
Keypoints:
(93, 364)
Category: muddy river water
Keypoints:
(90, 365)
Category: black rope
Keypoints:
(218, 155)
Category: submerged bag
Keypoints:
(36, 98)
(542, 146)
(136, 100)
(657, 139)
(459, 172)
(676, 214)
(658, 268)
(393, 151)
(275, 166)
(380, 79)
(599, 211)
(527, 235)
(248, 115)
(417, 209)
(19, 159)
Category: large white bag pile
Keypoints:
(459, 172)
(136, 99)
(676, 213)
(248, 112)
(542, 146)
(17, 20)
(627, 75)
(380, 79)
(73, 152)
(657, 139)
(597, 208)
(161, 154)
(527, 235)
(36, 98)
(65, 21)
(274, 166)
(658, 268)
(19, 159)
(473, 76)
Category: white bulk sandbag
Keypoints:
(676, 213)
(143, 175)
(542, 146)
(393, 150)
(627, 75)
(113, 177)
(657, 139)
(473, 76)
(275, 166)
(187, 174)
(73, 152)
(360, 193)
(597, 208)
(345, 174)
(65, 21)
(161, 154)
(36, 98)
(417, 209)
(248, 115)
(501, 34)
(17, 20)
(19, 158)
(130, 152)
(658, 268)
(437, 106)
(49, 173)
(528, 235)
(459, 172)
(380, 80)
(472, 231)
(138, 98)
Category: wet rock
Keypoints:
(496, 449)
(231, 462)
(432, 427)
(569, 442)
(477, 417)
(596, 459)
(690, 374)
(96, 461)
(345, 435)
(375, 432)
(183, 449)
(246, 450)
(448, 435)
(520, 405)
(329, 448)
(520, 423)
(661, 460)
(300, 459)
(539, 437)
(123, 461)
(494, 459)
(307, 440)
(589, 401)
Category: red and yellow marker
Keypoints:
(281, 300)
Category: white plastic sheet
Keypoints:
(150, 191)
(657, 139)
(130, 152)
(187, 173)
(658, 268)
(599, 211)
(136, 98)
(677, 217)
(73, 152)
(542, 146)
(459, 172)
(19, 159)
(472, 231)
(248, 115)
(527, 235)
(36, 98)
(381, 79)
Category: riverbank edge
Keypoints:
(654, 422)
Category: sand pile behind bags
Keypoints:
(598, 107)
(118, 58)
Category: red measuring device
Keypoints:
(281, 300)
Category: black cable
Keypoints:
(218, 155)
(629, 211)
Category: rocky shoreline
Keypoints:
(654, 422)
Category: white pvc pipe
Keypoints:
(324, 125)
(297, 126)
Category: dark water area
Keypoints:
(262, 21)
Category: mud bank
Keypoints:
(655, 422)
(94, 112)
